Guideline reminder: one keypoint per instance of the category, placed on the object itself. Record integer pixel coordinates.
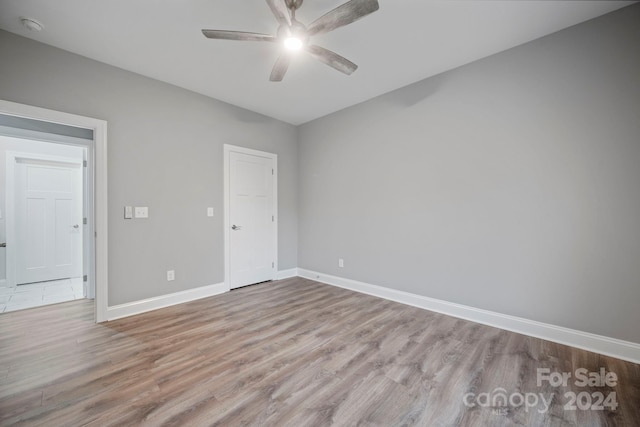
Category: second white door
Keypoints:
(251, 219)
(48, 221)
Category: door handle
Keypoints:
(76, 226)
(236, 227)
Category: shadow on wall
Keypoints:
(399, 100)
(246, 116)
(415, 93)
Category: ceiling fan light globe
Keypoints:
(293, 43)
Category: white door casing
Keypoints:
(250, 216)
(48, 207)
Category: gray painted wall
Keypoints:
(164, 152)
(510, 184)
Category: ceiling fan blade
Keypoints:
(332, 59)
(343, 15)
(280, 11)
(280, 68)
(238, 35)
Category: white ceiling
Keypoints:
(404, 42)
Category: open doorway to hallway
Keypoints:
(42, 200)
(41, 124)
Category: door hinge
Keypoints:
(84, 163)
(84, 278)
(84, 221)
(273, 264)
(272, 172)
(273, 218)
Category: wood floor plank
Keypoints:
(287, 353)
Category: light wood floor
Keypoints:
(289, 353)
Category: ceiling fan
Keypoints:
(295, 36)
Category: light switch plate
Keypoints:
(209, 211)
(171, 275)
(128, 212)
(141, 212)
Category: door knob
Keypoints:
(235, 227)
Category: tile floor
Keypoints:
(37, 294)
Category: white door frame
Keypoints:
(97, 215)
(12, 158)
(228, 149)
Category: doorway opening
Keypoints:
(53, 216)
(45, 204)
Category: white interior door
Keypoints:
(251, 219)
(48, 208)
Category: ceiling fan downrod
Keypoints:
(294, 5)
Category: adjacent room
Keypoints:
(315, 213)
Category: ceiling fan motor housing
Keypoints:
(297, 30)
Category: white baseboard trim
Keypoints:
(287, 274)
(613, 347)
(149, 304)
